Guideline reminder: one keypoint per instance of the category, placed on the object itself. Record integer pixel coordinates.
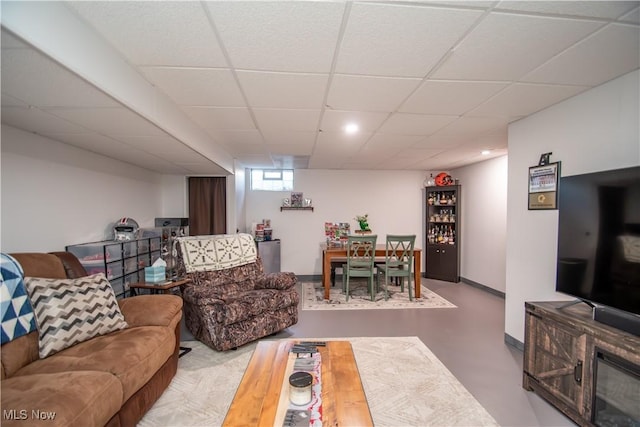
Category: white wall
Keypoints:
(484, 222)
(174, 196)
(54, 194)
(393, 199)
(594, 131)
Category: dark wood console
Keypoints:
(560, 351)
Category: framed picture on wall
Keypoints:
(543, 186)
(296, 200)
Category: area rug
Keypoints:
(405, 385)
(359, 298)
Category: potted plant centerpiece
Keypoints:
(363, 222)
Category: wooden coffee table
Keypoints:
(343, 400)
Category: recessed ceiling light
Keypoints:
(351, 128)
(485, 152)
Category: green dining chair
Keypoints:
(398, 261)
(361, 252)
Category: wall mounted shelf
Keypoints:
(296, 208)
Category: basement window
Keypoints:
(272, 179)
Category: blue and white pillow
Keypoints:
(16, 312)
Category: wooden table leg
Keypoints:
(326, 268)
(417, 274)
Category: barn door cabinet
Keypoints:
(560, 351)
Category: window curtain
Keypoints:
(207, 205)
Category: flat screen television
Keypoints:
(599, 242)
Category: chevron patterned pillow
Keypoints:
(71, 311)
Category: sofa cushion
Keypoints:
(246, 305)
(17, 316)
(133, 355)
(69, 399)
(70, 311)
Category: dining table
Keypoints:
(331, 252)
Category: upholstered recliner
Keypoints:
(229, 300)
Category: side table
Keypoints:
(161, 288)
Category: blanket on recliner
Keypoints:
(217, 252)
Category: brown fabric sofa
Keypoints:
(109, 380)
(228, 308)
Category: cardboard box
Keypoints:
(155, 274)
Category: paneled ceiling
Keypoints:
(430, 84)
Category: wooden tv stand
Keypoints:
(560, 347)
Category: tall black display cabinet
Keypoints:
(443, 233)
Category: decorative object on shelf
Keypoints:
(363, 222)
(543, 186)
(286, 202)
(306, 203)
(429, 182)
(443, 179)
(296, 199)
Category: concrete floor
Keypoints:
(469, 340)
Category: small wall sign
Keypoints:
(543, 186)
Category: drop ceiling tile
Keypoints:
(290, 162)
(450, 97)
(522, 99)
(382, 140)
(502, 47)
(249, 149)
(279, 35)
(415, 124)
(10, 101)
(593, 61)
(471, 126)
(34, 78)
(290, 149)
(336, 120)
(220, 117)
(340, 143)
(231, 137)
(590, 9)
(287, 120)
(289, 138)
(632, 17)
(440, 142)
(325, 161)
(35, 120)
(473, 4)
(197, 86)
(283, 90)
(256, 160)
(157, 32)
(418, 154)
(369, 93)
(108, 121)
(375, 155)
(398, 39)
(491, 141)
